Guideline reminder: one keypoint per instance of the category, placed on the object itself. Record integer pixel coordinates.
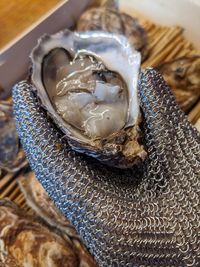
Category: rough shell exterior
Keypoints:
(38, 199)
(29, 242)
(183, 76)
(12, 157)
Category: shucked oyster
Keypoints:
(88, 84)
(38, 199)
(108, 18)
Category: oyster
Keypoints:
(88, 84)
(37, 198)
(29, 242)
(8, 261)
(108, 18)
(183, 76)
(12, 157)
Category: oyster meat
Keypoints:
(38, 199)
(183, 76)
(12, 157)
(88, 84)
(25, 241)
(108, 18)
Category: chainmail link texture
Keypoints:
(146, 216)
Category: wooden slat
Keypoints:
(5, 180)
(9, 189)
(15, 192)
(194, 114)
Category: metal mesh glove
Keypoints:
(147, 216)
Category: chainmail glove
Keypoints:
(145, 216)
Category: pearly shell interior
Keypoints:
(88, 81)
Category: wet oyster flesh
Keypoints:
(88, 84)
(89, 96)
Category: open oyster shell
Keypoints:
(107, 17)
(38, 199)
(88, 84)
(183, 76)
(12, 157)
(24, 241)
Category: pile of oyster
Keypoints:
(28, 240)
(39, 201)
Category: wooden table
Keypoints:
(17, 15)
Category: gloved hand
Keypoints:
(146, 216)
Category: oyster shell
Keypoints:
(108, 18)
(12, 157)
(38, 199)
(9, 261)
(183, 76)
(29, 242)
(88, 84)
